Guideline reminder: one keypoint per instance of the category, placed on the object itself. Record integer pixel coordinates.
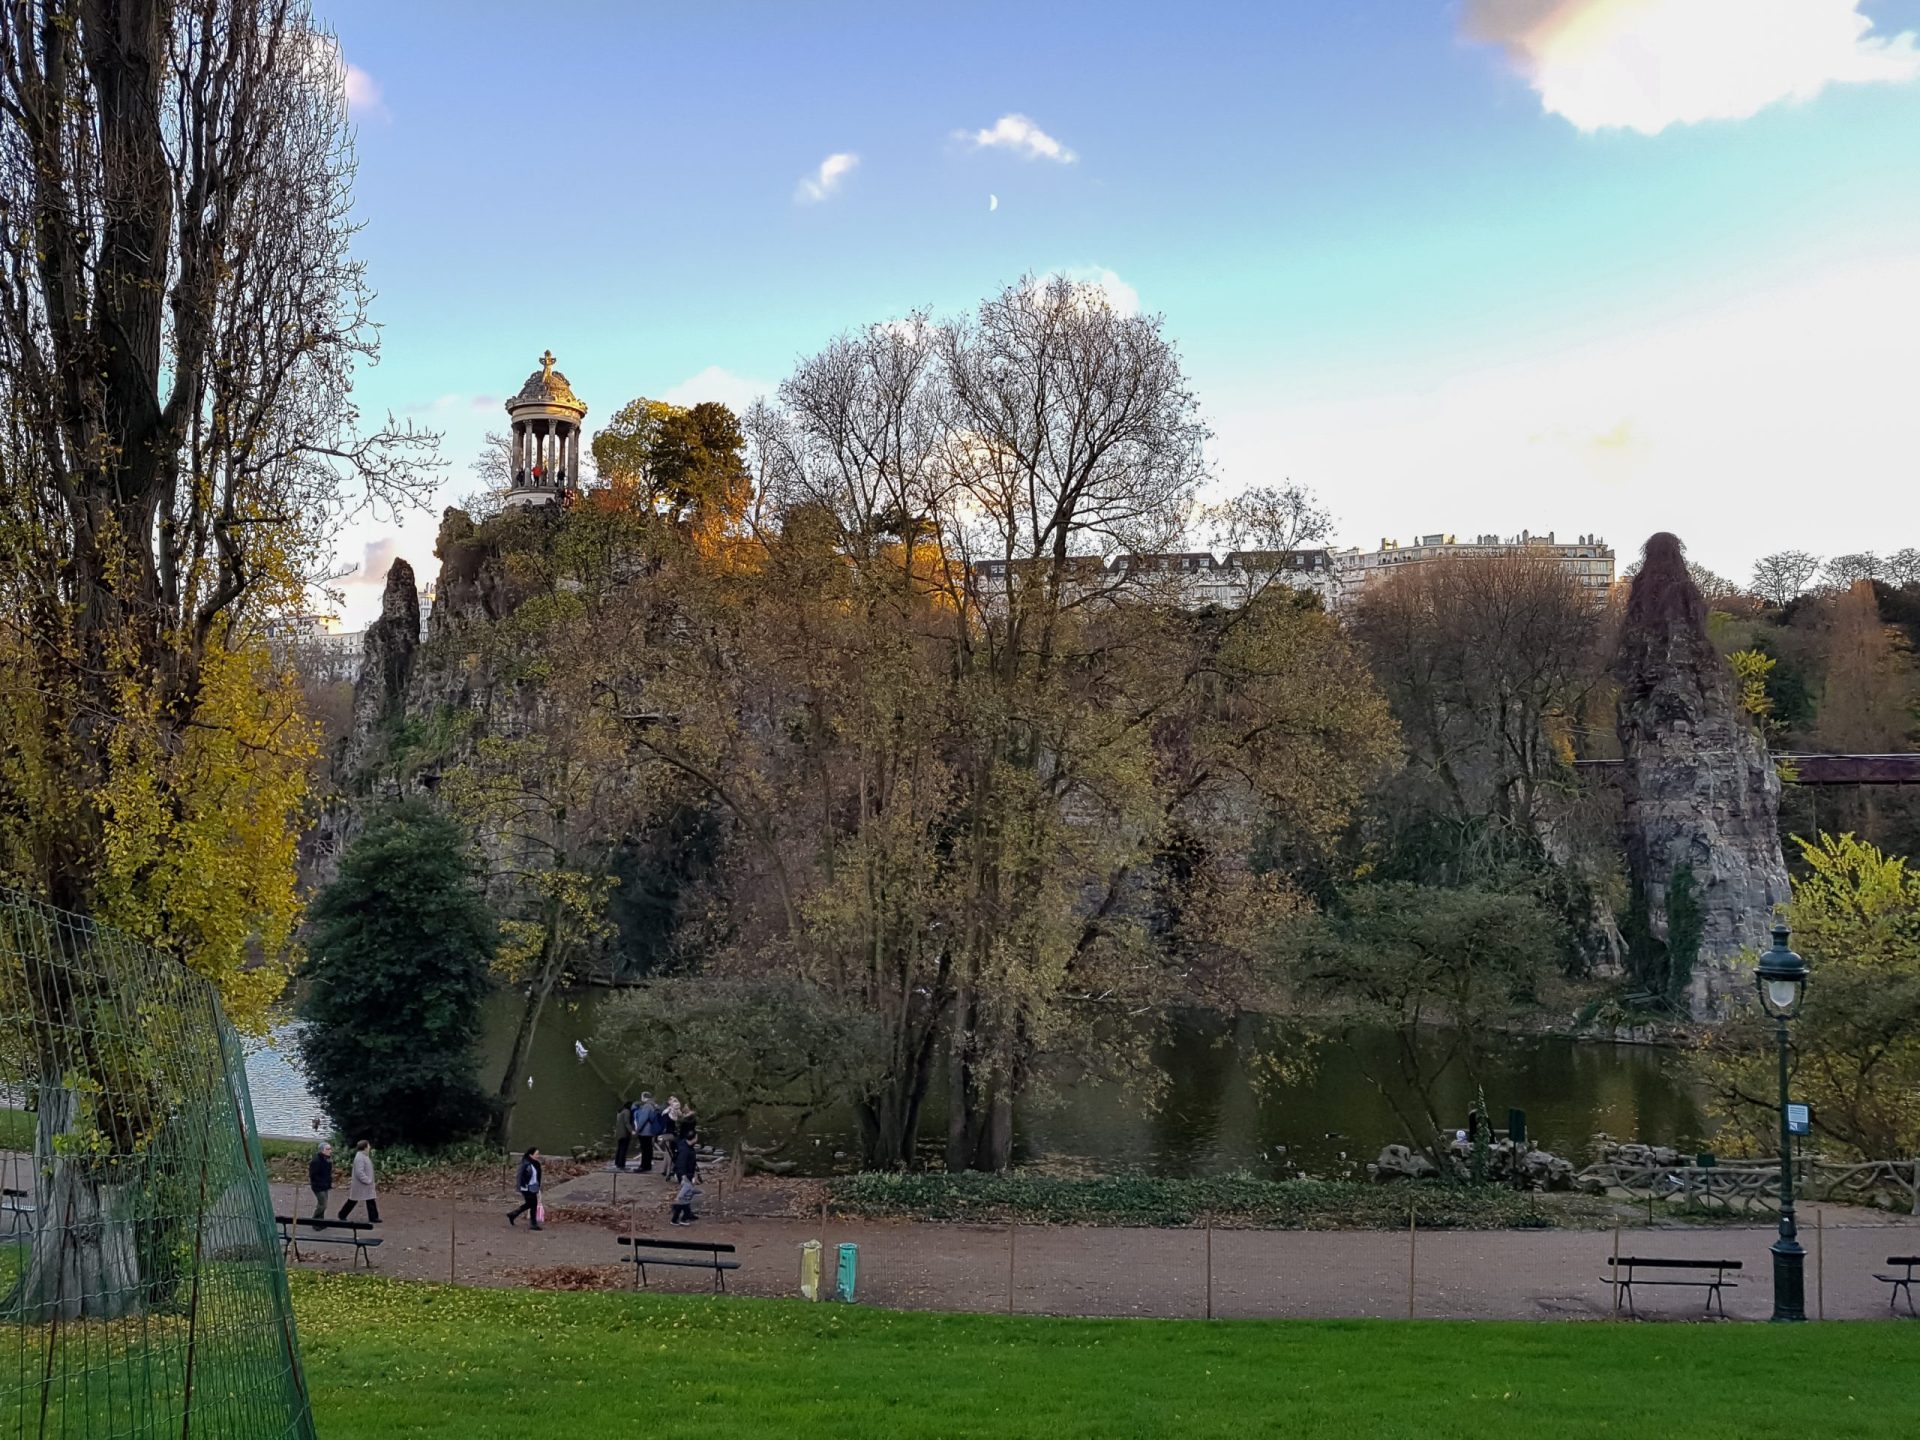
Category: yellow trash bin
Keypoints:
(810, 1270)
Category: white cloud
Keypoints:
(1646, 64)
(1020, 135)
(1121, 297)
(826, 180)
(375, 560)
(736, 392)
(454, 403)
(362, 91)
(1783, 419)
(363, 95)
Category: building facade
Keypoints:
(1190, 579)
(1587, 559)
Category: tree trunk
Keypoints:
(890, 1120)
(84, 1260)
(509, 1093)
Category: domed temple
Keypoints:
(546, 437)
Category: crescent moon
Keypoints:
(993, 203)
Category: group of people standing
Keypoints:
(360, 1186)
(672, 1126)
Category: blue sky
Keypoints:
(1585, 265)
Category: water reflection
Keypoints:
(1228, 1101)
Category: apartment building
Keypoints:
(1588, 559)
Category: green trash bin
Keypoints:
(849, 1263)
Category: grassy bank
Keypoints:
(391, 1359)
(1224, 1199)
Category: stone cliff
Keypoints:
(1700, 790)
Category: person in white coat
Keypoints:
(361, 1190)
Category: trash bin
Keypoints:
(810, 1270)
(849, 1263)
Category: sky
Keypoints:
(1587, 266)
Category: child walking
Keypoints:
(683, 1203)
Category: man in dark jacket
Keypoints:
(320, 1179)
(623, 1135)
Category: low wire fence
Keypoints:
(143, 1287)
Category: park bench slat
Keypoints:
(1623, 1278)
(643, 1254)
(1902, 1284)
(291, 1238)
(677, 1244)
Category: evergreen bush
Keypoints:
(396, 977)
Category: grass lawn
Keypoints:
(392, 1359)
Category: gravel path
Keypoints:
(1078, 1270)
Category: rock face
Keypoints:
(380, 695)
(1700, 789)
(1506, 1164)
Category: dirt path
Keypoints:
(1076, 1270)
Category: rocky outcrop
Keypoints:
(1504, 1163)
(1700, 791)
(385, 668)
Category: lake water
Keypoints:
(1212, 1114)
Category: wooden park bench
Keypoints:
(682, 1250)
(1901, 1283)
(1623, 1278)
(356, 1235)
(13, 1204)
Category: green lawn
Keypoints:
(393, 1359)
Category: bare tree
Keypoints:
(1902, 567)
(1842, 570)
(492, 472)
(180, 317)
(1486, 659)
(1275, 522)
(1779, 577)
(860, 437)
(1074, 428)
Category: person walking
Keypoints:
(686, 1159)
(360, 1189)
(320, 1178)
(683, 1123)
(670, 1133)
(623, 1136)
(528, 1184)
(648, 1126)
(683, 1204)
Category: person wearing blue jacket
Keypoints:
(648, 1126)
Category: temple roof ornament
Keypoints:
(547, 386)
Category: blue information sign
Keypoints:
(1799, 1121)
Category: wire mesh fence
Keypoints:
(144, 1293)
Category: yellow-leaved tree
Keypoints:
(1856, 1044)
(178, 445)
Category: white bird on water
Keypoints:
(529, 1082)
(580, 1052)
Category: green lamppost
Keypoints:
(1782, 978)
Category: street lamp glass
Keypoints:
(1783, 996)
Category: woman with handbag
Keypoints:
(528, 1184)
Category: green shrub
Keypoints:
(1231, 1199)
(397, 974)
